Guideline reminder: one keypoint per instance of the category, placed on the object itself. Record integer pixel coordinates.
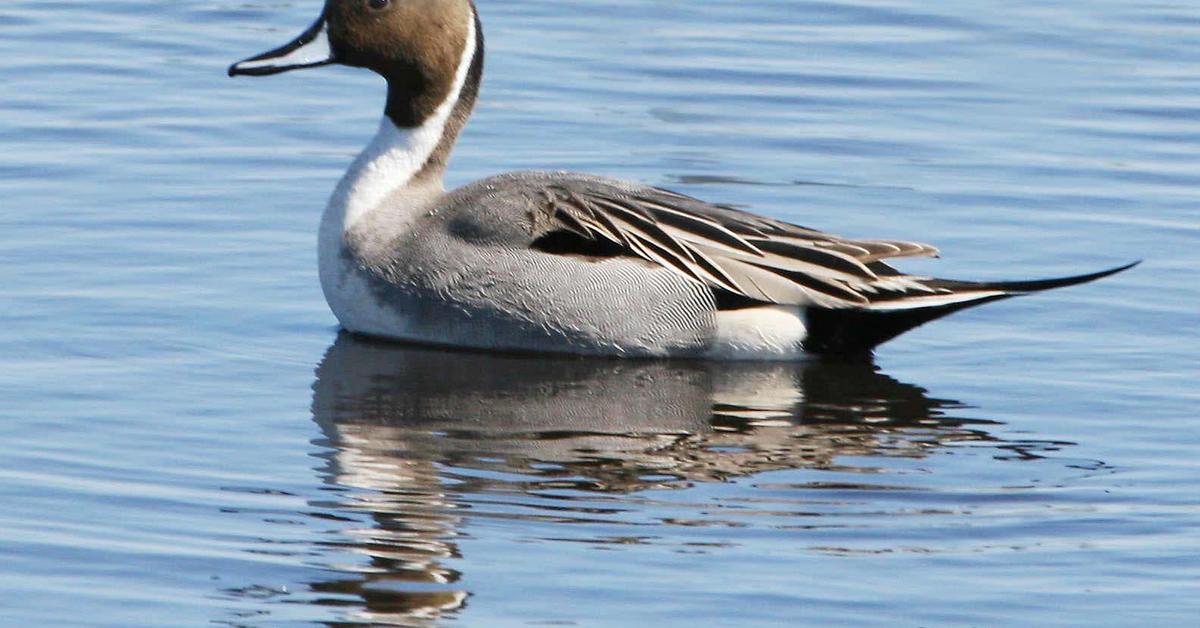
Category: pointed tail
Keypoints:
(859, 331)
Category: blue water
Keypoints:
(186, 440)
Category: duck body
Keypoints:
(460, 269)
(572, 263)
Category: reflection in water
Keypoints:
(420, 440)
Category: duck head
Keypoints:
(430, 52)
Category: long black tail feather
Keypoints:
(1019, 287)
(851, 332)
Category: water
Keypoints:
(185, 439)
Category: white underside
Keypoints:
(761, 333)
(351, 298)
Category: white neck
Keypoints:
(396, 155)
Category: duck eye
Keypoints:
(378, 4)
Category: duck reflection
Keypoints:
(414, 434)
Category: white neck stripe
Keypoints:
(396, 155)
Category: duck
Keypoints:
(572, 263)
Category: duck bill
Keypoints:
(311, 49)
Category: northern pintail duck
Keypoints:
(566, 262)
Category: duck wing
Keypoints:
(756, 258)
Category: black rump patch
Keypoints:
(854, 331)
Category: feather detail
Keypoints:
(760, 259)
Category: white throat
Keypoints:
(395, 155)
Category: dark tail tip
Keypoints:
(849, 332)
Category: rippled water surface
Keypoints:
(185, 439)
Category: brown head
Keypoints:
(418, 46)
